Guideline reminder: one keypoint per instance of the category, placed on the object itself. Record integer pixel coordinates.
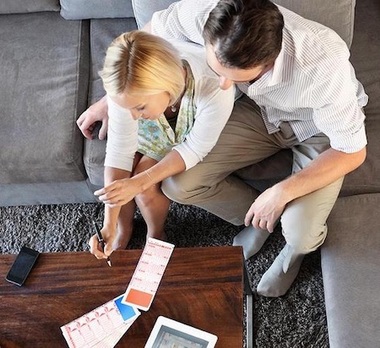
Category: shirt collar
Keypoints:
(272, 77)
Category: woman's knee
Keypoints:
(145, 198)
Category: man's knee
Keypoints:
(304, 232)
(177, 189)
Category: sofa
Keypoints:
(51, 52)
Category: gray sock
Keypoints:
(275, 281)
(251, 239)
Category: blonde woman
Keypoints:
(166, 112)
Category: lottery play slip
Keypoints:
(104, 326)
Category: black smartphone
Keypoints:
(22, 266)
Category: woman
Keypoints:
(166, 112)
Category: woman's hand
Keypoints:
(119, 192)
(109, 236)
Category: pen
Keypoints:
(101, 241)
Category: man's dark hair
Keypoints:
(245, 33)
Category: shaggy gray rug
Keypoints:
(297, 319)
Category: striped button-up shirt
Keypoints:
(312, 84)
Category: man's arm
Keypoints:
(147, 27)
(183, 20)
(328, 167)
(96, 112)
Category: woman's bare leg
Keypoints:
(124, 226)
(153, 204)
(120, 219)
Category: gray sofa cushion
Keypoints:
(351, 277)
(103, 31)
(44, 74)
(24, 6)
(85, 9)
(350, 256)
(47, 193)
(338, 15)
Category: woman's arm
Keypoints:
(111, 215)
(214, 107)
(122, 191)
(120, 152)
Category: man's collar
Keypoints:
(274, 76)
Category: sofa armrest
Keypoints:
(350, 267)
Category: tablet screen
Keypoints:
(168, 337)
(168, 333)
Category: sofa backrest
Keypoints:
(26, 6)
(71, 9)
(85, 9)
(337, 15)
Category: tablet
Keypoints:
(168, 333)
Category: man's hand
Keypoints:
(95, 113)
(326, 168)
(266, 209)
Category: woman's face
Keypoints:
(148, 107)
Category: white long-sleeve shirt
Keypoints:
(213, 108)
(312, 84)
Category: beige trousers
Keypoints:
(244, 141)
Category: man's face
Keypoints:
(228, 76)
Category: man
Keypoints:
(300, 93)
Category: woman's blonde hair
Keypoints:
(139, 63)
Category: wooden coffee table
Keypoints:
(201, 287)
